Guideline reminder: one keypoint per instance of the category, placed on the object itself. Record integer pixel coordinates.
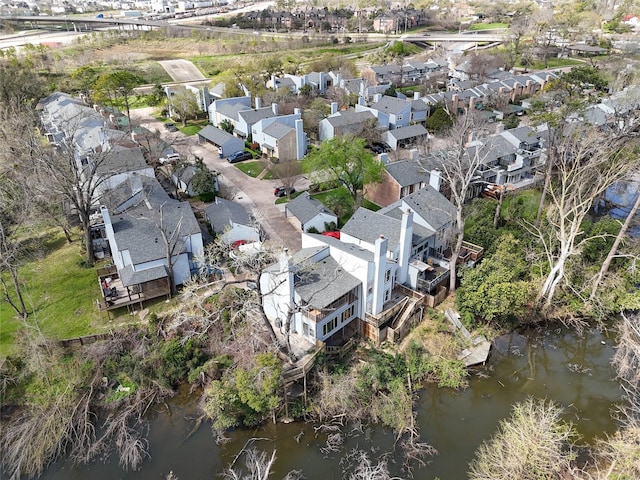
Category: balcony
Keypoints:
(115, 295)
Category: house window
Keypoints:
(387, 276)
(347, 314)
(399, 117)
(387, 295)
(305, 329)
(329, 326)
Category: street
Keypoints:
(255, 195)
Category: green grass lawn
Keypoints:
(488, 26)
(253, 169)
(60, 295)
(553, 62)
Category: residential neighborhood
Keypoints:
(372, 229)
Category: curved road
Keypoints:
(253, 194)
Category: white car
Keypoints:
(170, 158)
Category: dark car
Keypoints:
(283, 191)
(239, 157)
(171, 127)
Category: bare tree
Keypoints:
(459, 163)
(14, 208)
(589, 162)
(533, 443)
(614, 248)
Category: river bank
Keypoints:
(556, 364)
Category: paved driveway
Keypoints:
(255, 195)
(182, 70)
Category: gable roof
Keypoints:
(277, 130)
(323, 282)
(407, 172)
(411, 131)
(350, 118)
(430, 205)
(223, 213)
(121, 159)
(306, 208)
(231, 110)
(391, 105)
(254, 115)
(368, 226)
(136, 226)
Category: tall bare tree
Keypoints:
(14, 208)
(589, 162)
(459, 163)
(614, 248)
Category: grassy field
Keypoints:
(60, 294)
(487, 26)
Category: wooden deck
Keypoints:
(478, 350)
(116, 295)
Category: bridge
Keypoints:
(480, 36)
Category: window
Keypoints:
(399, 117)
(387, 295)
(387, 276)
(347, 314)
(329, 326)
(305, 329)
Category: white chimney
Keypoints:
(334, 107)
(435, 179)
(413, 154)
(258, 103)
(301, 140)
(297, 111)
(377, 97)
(380, 268)
(384, 158)
(361, 100)
(274, 108)
(406, 236)
(416, 95)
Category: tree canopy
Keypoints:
(346, 160)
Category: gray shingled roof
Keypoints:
(389, 104)
(137, 227)
(214, 134)
(222, 213)
(431, 205)
(129, 277)
(231, 110)
(122, 159)
(256, 114)
(407, 172)
(367, 226)
(418, 105)
(349, 248)
(305, 208)
(411, 131)
(350, 118)
(523, 134)
(277, 130)
(322, 283)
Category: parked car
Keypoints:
(283, 191)
(171, 127)
(170, 158)
(239, 157)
